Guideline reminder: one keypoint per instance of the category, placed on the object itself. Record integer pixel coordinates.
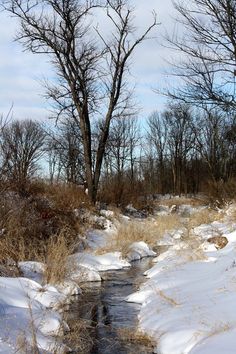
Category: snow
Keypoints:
(99, 263)
(139, 250)
(35, 270)
(68, 288)
(188, 306)
(32, 270)
(83, 274)
(97, 239)
(24, 310)
(29, 308)
(186, 303)
(170, 236)
(107, 213)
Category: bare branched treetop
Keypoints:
(209, 47)
(91, 66)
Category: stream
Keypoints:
(108, 321)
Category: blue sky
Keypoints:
(21, 72)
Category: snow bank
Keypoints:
(32, 270)
(100, 263)
(24, 314)
(188, 307)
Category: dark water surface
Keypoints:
(110, 319)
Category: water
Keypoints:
(108, 317)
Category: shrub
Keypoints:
(27, 223)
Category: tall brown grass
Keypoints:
(56, 259)
(136, 337)
(67, 197)
(204, 216)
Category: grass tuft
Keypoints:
(56, 260)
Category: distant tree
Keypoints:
(157, 135)
(65, 153)
(212, 127)
(180, 141)
(22, 146)
(92, 69)
(120, 157)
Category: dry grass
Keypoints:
(168, 299)
(128, 233)
(183, 200)
(148, 231)
(153, 230)
(135, 337)
(79, 337)
(220, 193)
(28, 223)
(193, 243)
(56, 260)
(204, 216)
(167, 222)
(219, 328)
(67, 197)
(21, 230)
(30, 345)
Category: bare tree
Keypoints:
(208, 45)
(121, 145)
(21, 148)
(120, 157)
(157, 139)
(65, 153)
(213, 142)
(180, 141)
(91, 68)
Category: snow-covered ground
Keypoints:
(187, 302)
(30, 312)
(27, 316)
(188, 306)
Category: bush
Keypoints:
(123, 192)
(220, 193)
(28, 223)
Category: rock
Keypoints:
(219, 241)
(173, 209)
(131, 211)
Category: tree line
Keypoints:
(178, 151)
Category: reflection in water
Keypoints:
(106, 311)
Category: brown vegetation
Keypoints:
(149, 231)
(56, 259)
(31, 225)
(136, 337)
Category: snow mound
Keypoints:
(82, 274)
(24, 305)
(100, 263)
(139, 250)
